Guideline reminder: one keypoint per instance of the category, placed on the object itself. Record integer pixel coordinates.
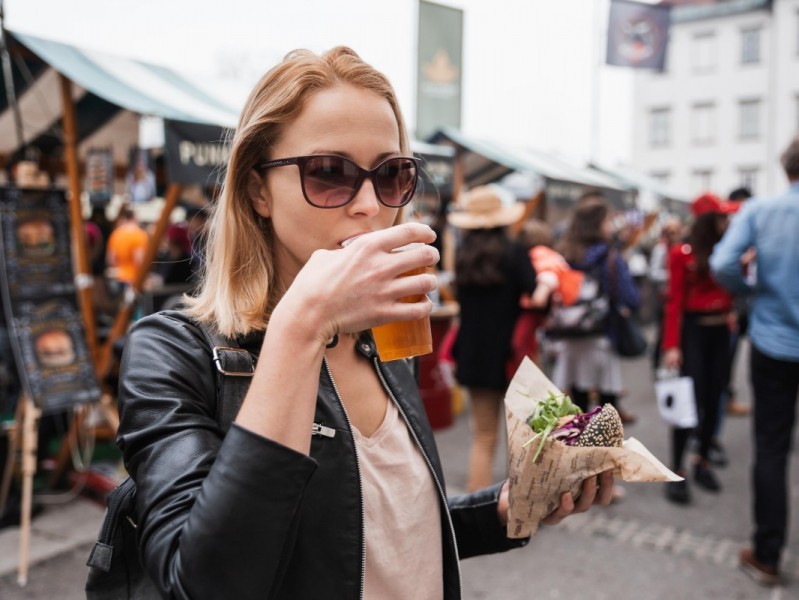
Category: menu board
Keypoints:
(39, 299)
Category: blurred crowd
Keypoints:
(567, 297)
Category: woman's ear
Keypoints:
(256, 190)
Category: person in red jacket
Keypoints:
(696, 337)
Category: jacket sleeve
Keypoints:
(202, 501)
(675, 302)
(477, 526)
(626, 290)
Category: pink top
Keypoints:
(402, 515)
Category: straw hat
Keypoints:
(483, 209)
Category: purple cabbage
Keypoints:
(569, 433)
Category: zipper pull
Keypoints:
(319, 429)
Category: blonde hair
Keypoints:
(239, 288)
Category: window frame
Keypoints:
(704, 178)
(710, 67)
(710, 136)
(758, 49)
(748, 182)
(660, 127)
(743, 133)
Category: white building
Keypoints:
(727, 104)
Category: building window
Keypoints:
(703, 127)
(703, 179)
(747, 177)
(662, 177)
(659, 127)
(704, 52)
(749, 119)
(750, 45)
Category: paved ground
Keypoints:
(642, 548)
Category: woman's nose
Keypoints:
(365, 200)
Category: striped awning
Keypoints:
(107, 90)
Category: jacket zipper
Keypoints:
(440, 488)
(358, 470)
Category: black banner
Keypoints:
(638, 34)
(195, 154)
(41, 313)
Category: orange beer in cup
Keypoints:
(404, 339)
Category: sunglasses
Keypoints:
(330, 181)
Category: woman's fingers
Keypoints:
(605, 492)
(565, 508)
(595, 490)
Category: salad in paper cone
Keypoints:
(553, 447)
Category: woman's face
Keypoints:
(342, 120)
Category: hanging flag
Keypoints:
(638, 34)
(439, 68)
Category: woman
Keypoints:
(270, 510)
(586, 361)
(491, 273)
(696, 338)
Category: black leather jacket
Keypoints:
(236, 515)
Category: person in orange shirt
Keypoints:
(554, 279)
(126, 247)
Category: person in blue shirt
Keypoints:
(759, 255)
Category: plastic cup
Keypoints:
(404, 339)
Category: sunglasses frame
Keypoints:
(363, 174)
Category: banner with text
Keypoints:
(195, 153)
(39, 299)
(638, 34)
(439, 69)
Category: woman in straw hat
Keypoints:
(491, 274)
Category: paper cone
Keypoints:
(535, 488)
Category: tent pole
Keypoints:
(125, 312)
(83, 277)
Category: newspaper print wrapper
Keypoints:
(535, 488)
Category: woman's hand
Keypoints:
(672, 359)
(596, 490)
(359, 286)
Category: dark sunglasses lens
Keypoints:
(395, 180)
(329, 181)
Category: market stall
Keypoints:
(102, 101)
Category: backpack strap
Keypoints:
(234, 369)
(613, 292)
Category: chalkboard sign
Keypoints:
(39, 299)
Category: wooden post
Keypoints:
(29, 442)
(529, 208)
(132, 294)
(14, 433)
(83, 276)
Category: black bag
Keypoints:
(628, 341)
(115, 569)
(625, 332)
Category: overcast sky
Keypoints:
(529, 65)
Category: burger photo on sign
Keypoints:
(553, 447)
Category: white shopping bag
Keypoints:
(676, 401)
